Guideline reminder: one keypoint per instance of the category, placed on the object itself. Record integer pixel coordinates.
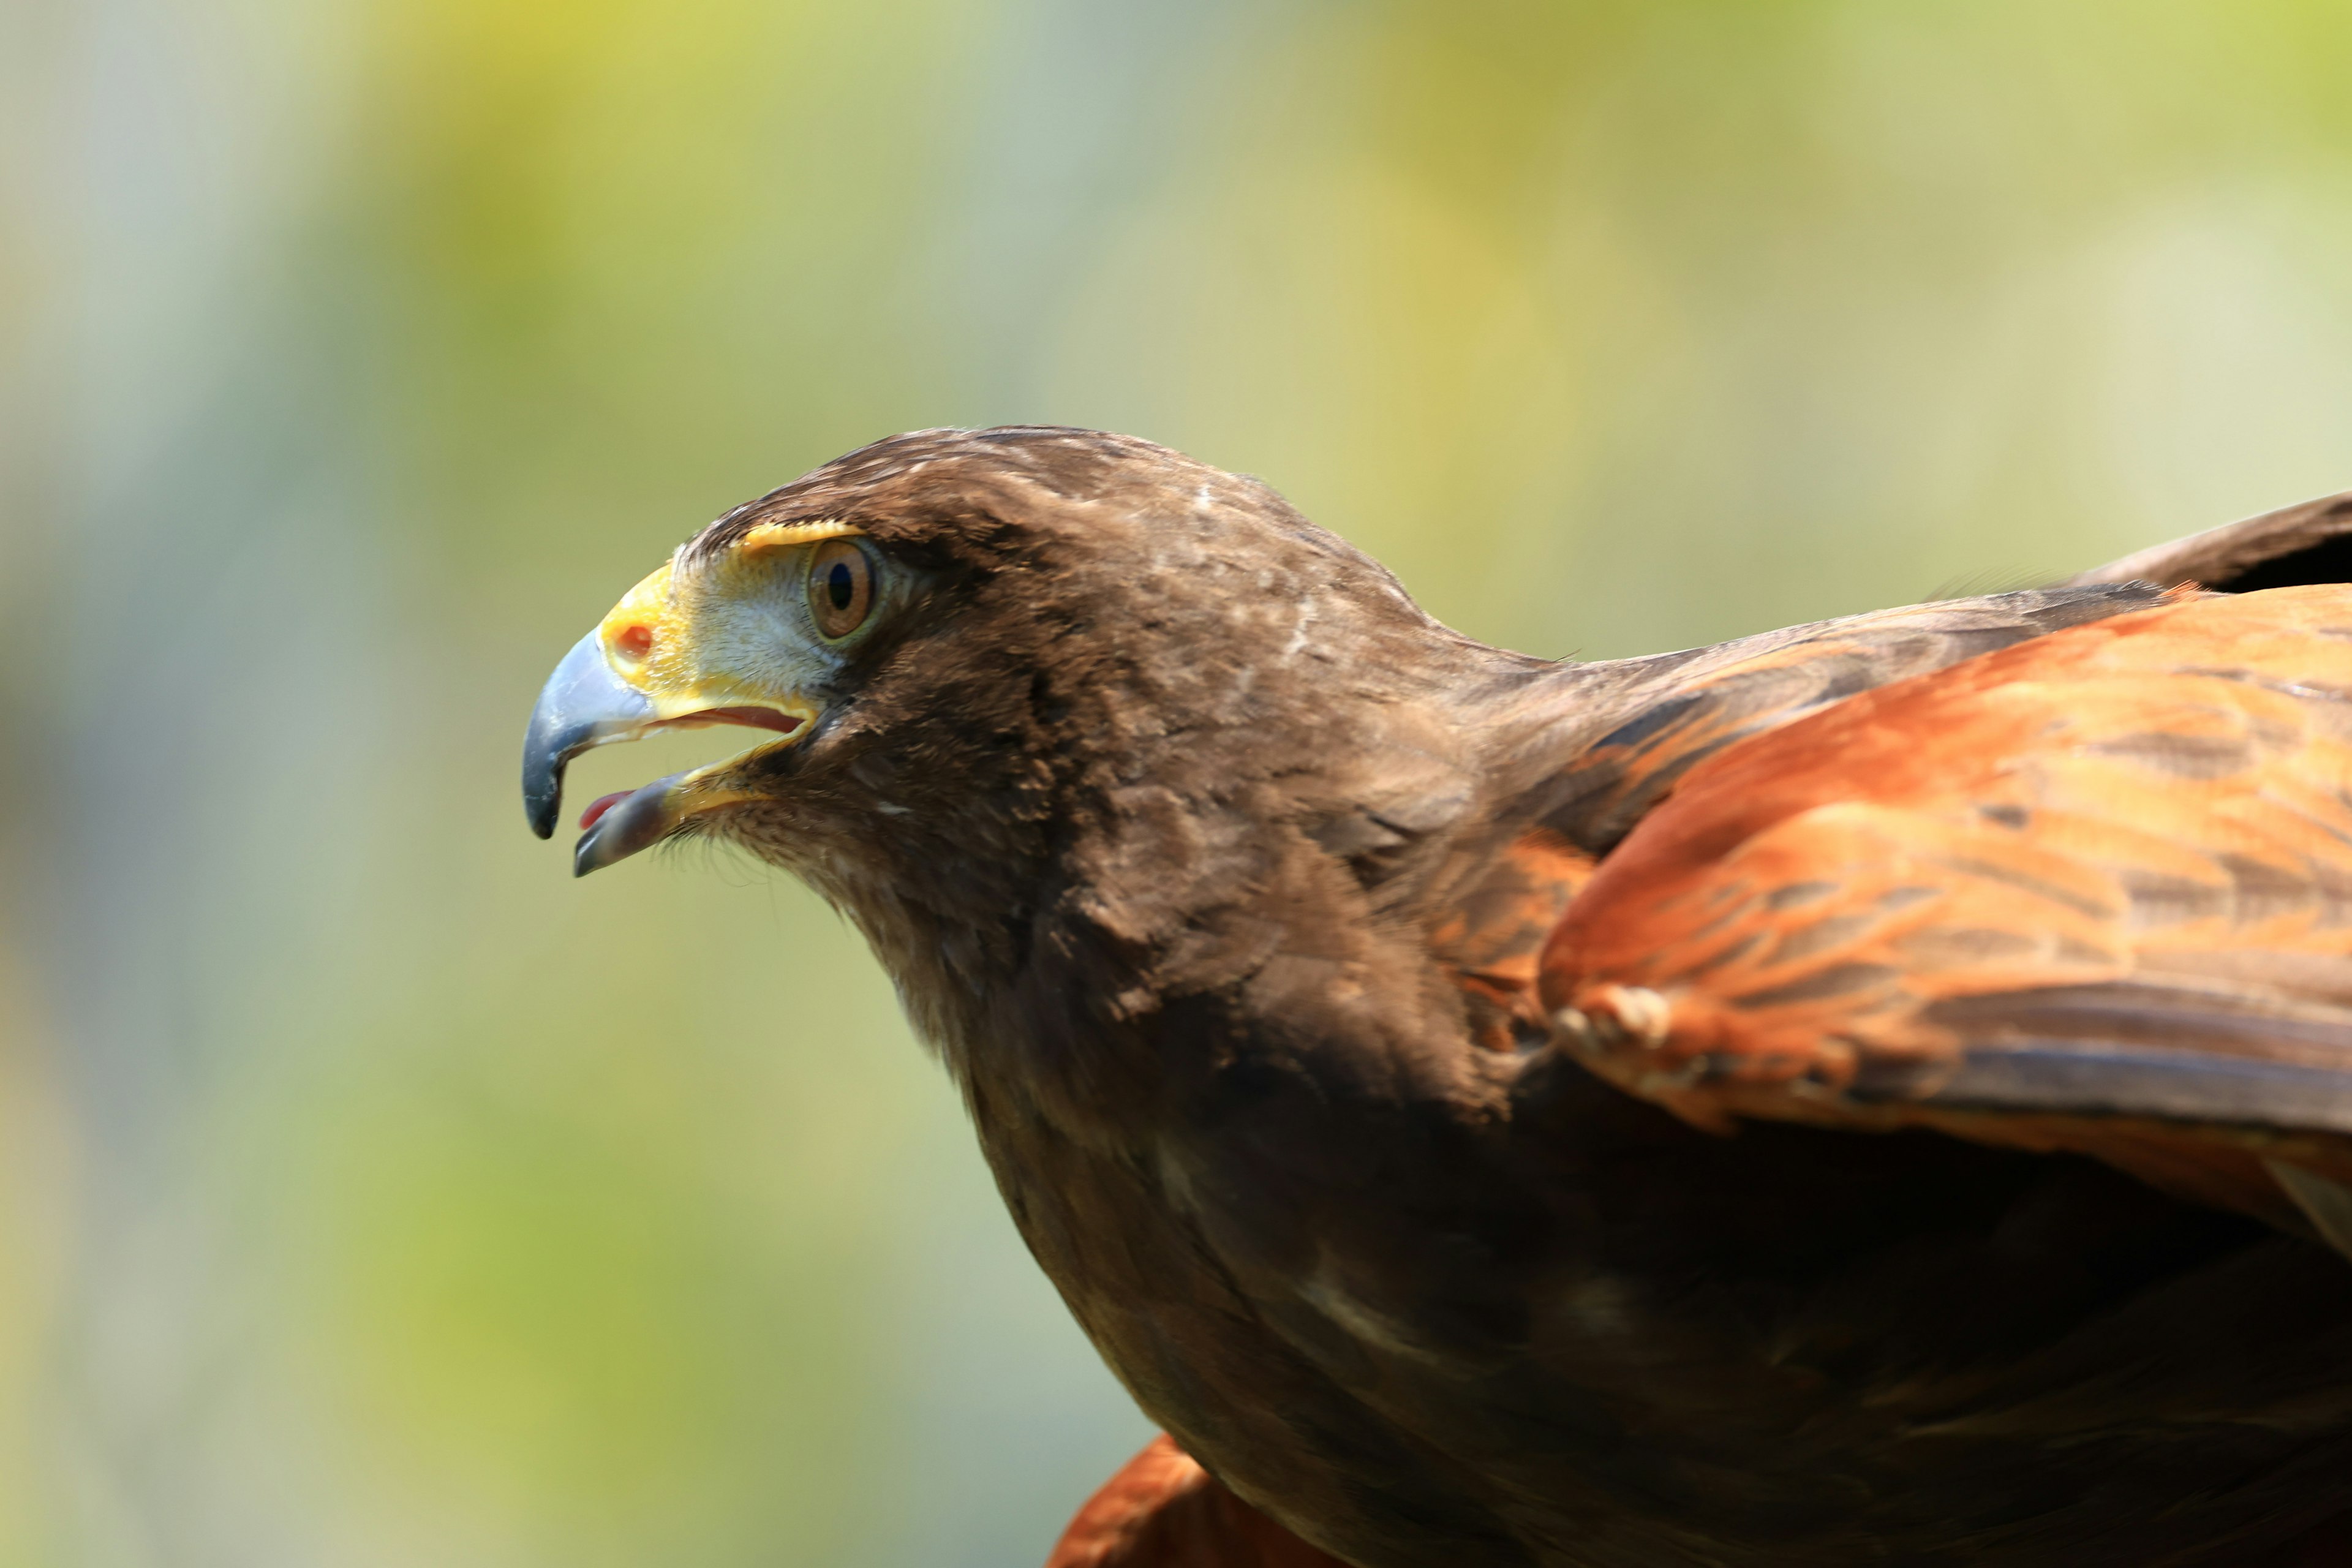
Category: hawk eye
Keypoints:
(840, 587)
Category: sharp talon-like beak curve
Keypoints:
(584, 704)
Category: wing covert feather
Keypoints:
(1675, 710)
(2092, 891)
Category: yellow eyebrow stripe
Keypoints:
(783, 536)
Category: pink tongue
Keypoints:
(601, 805)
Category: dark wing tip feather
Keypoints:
(2310, 541)
(2066, 1075)
(2140, 1047)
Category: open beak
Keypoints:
(698, 642)
(587, 703)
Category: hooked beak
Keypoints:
(586, 703)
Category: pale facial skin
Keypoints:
(755, 635)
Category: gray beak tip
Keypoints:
(540, 806)
(629, 827)
(584, 704)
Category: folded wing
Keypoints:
(2089, 892)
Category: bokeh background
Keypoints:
(373, 1195)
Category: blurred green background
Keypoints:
(373, 1194)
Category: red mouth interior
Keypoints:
(600, 805)
(750, 718)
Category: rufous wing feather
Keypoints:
(2090, 892)
(1163, 1510)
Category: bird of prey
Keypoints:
(1875, 1092)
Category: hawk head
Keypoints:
(955, 638)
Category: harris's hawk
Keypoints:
(1875, 1092)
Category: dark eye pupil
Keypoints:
(840, 586)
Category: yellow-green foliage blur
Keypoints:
(371, 1193)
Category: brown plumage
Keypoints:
(1873, 1092)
